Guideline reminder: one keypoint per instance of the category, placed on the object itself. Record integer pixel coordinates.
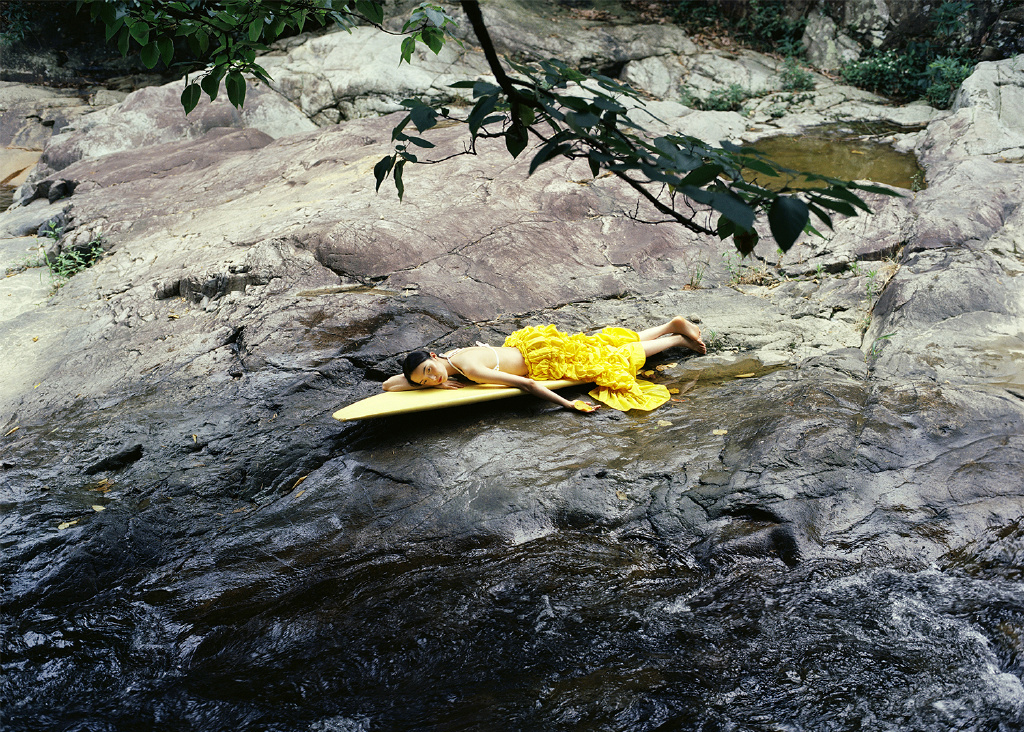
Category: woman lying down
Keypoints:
(610, 358)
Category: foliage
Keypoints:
(761, 24)
(931, 66)
(14, 22)
(887, 72)
(945, 75)
(225, 36)
(730, 99)
(70, 261)
(794, 78)
(572, 115)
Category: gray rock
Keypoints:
(826, 46)
(154, 115)
(835, 443)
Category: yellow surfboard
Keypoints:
(421, 400)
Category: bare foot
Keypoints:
(690, 334)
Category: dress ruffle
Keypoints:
(610, 358)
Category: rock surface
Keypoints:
(845, 459)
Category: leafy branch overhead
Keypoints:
(715, 190)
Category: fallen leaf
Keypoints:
(745, 376)
(300, 493)
(664, 423)
(299, 481)
(67, 524)
(661, 367)
(719, 432)
(673, 391)
(621, 496)
(195, 438)
(36, 338)
(13, 431)
(687, 386)
(99, 508)
(671, 365)
(172, 316)
(38, 385)
(647, 373)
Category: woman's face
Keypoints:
(431, 372)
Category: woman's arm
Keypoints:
(398, 382)
(490, 376)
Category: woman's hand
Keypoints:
(581, 406)
(451, 384)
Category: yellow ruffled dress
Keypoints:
(610, 358)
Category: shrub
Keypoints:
(945, 75)
(795, 78)
(730, 99)
(764, 25)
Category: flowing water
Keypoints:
(574, 632)
(321, 610)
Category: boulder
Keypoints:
(154, 115)
(327, 76)
(826, 46)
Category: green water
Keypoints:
(851, 152)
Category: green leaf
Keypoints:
(702, 175)
(839, 206)
(260, 73)
(579, 121)
(382, 168)
(396, 133)
(122, 41)
(483, 88)
(595, 164)
(433, 16)
(787, 217)
(726, 227)
(745, 241)
(190, 97)
(139, 31)
(821, 214)
(552, 148)
(150, 55)
(113, 27)
(759, 166)
(483, 108)
(203, 39)
(877, 189)
(399, 185)
(516, 139)
(235, 84)
(211, 82)
(408, 46)
(373, 12)
(420, 142)
(166, 46)
(465, 84)
(256, 29)
(846, 195)
(434, 39)
(423, 117)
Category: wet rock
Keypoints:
(839, 469)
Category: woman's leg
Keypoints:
(683, 333)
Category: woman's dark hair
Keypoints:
(413, 360)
